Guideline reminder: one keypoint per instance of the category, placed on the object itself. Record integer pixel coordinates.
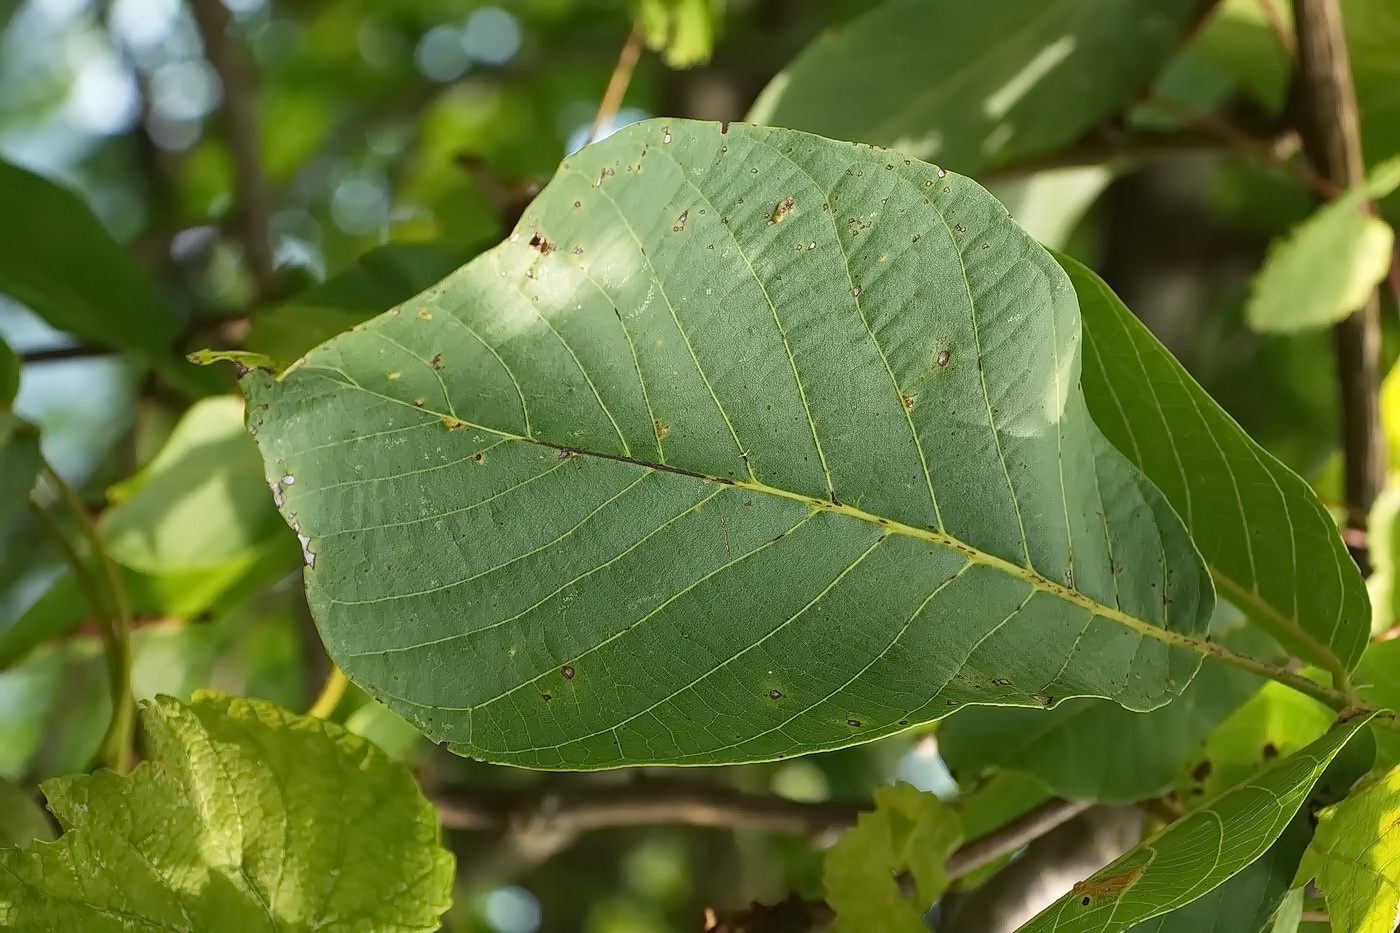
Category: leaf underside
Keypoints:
(747, 444)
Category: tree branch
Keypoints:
(617, 84)
(1330, 127)
(240, 118)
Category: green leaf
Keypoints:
(381, 278)
(247, 818)
(908, 830)
(104, 297)
(1092, 749)
(1354, 856)
(1201, 851)
(1245, 903)
(1271, 547)
(755, 448)
(1378, 681)
(22, 820)
(1276, 721)
(1324, 269)
(200, 504)
(1290, 912)
(19, 463)
(682, 30)
(1019, 79)
(10, 366)
(1383, 547)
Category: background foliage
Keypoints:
(260, 175)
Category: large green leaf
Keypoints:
(200, 504)
(1272, 549)
(748, 443)
(973, 86)
(247, 818)
(908, 830)
(1095, 750)
(56, 257)
(1355, 857)
(1201, 851)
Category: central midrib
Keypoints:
(1027, 574)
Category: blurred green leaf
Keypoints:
(1276, 721)
(1088, 749)
(1290, 912)
(1324, 269)
(200, 504)
(531, 384)
(1354, 856)
(384, 277)
(1272, 549)
(247, 818)
(682, 30)
(395, 735)
(22, 819)
(1239, 38)
(1383, 547)
(19, 462)
(976, 87)
(1190, 858)
(1378, 680)
(10, 366)
(908, 830)
(58, 259)
(184, 595)
(1048, 205)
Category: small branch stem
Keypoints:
(1243, 142)
(1276, 23)
(1330, 127)
(617, 84)
(114, 622)
(331, 694)
(1337, 699)
(240, 117)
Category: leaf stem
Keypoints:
(114, 618)
(331, 693)
(617, 84)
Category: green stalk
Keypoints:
(115, 624)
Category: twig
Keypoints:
(1276, 23)
(240, 115)
(56, 354)
(331, 693)
(114, 621)
(1243, 142)
(1330, 127)
(570, 811)
(617, 84)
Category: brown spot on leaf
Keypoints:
(419, 403)
(478, 458)
(567, 671)
(783, 208)
(542, 245)
(661, 430)
(425, 314)
(943, 357)
(1108, 885)
(1201, 771)
(1270, 751)
(436, 362)
(907, 401)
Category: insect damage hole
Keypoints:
(541, 244)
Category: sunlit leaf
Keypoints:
(751, 422)
(1355, 857)
(1017, 79)
(1271, 547)
(1198, 853)
(247, 818)
(908, 830)
(1276, 721)
(200, 504)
